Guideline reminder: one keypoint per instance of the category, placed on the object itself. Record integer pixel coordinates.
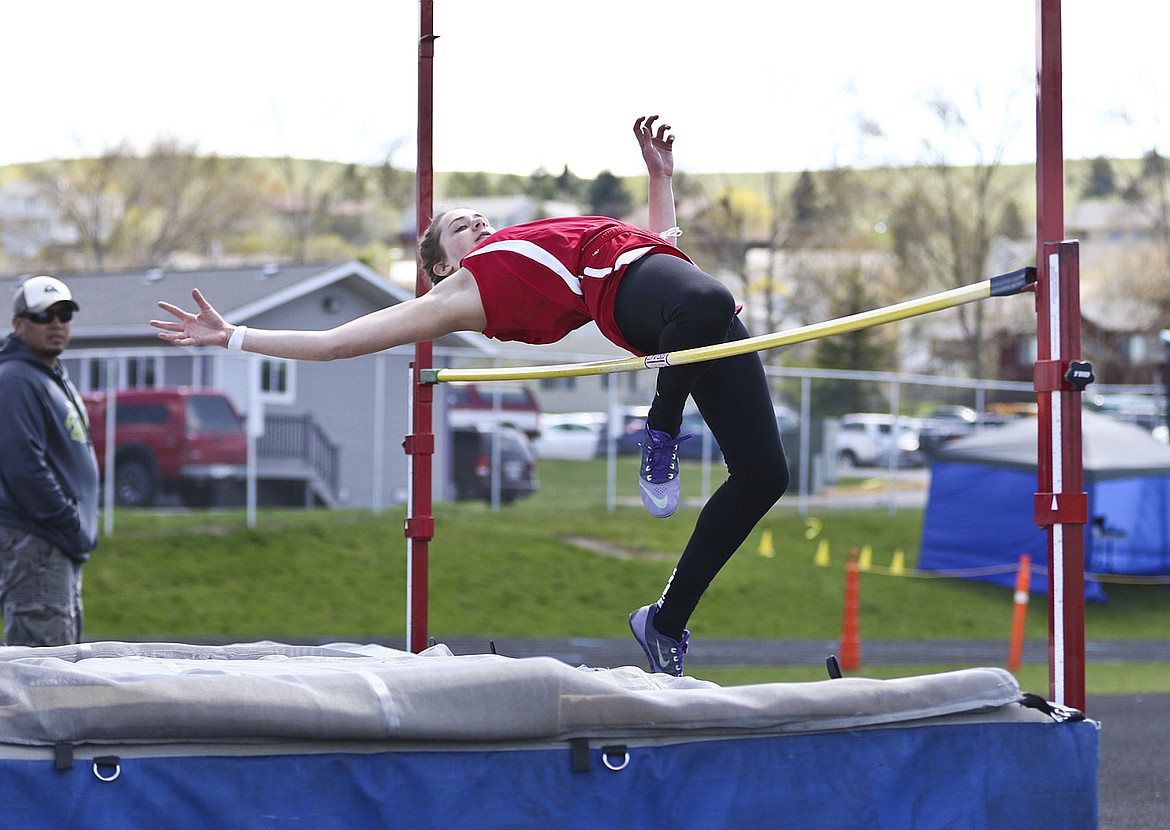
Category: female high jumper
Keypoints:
(535, 282)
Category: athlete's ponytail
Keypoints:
(430, 252)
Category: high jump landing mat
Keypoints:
(261, 735)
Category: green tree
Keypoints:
(871, 349)
(460, 184)
(570, 187)
(731, 225)
(1149, 191)
(542, 185)
(395, 185)
(806, 200)
(817, 242)
(607, 196)
(1102, 181)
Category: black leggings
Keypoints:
(665, 304)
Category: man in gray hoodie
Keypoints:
(48, 473)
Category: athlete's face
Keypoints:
(461, 230)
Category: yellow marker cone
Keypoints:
(865, 560)
(766, 548)
(821, 559)
(898, 563)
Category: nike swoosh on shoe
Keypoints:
(658, 501)
(665, 659)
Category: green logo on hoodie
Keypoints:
(76, 428)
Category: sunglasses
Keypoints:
(42, 317)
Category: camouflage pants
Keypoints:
(40, 591)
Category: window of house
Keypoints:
(630, 379)
(1133, 348)
(139, 373)
(277, 380)
(132, 373)
(558, 384)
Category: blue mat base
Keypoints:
(966, 775)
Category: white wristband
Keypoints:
(236, 341)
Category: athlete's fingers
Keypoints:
(170, 309)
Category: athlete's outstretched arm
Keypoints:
(452, 305)
(658, 153)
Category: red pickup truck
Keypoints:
(189, 441)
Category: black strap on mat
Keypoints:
(579, 747)
(1058, 713)
(63, 757)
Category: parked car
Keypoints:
(471, 463)
(574, 436)
(1146, 411)
(869, 439)
(473, 405)
(189, 441)
(944, 424)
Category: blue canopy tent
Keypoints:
(979, 514)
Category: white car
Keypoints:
(868, 439)
(575, 436)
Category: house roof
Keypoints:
(121, 304)
(1103, 216)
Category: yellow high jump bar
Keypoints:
(1000, 286)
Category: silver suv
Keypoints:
(869, 439)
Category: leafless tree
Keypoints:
(315, 191)
(948, 219)
(180, 201)
(88, 195)
(137, 211)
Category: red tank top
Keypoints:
(540, 280)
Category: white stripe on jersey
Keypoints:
(537, 254)
(622, 261)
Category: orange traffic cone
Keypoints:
(1020, 612)
(850, 633)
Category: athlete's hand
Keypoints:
(657, 146)
(206, 328)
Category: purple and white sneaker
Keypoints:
(658, 477)
(665, 654)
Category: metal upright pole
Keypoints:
(1164, 336)
(420, 443)
(1060, 501)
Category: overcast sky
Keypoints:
(520, 84)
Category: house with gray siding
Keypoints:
(332, 431)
